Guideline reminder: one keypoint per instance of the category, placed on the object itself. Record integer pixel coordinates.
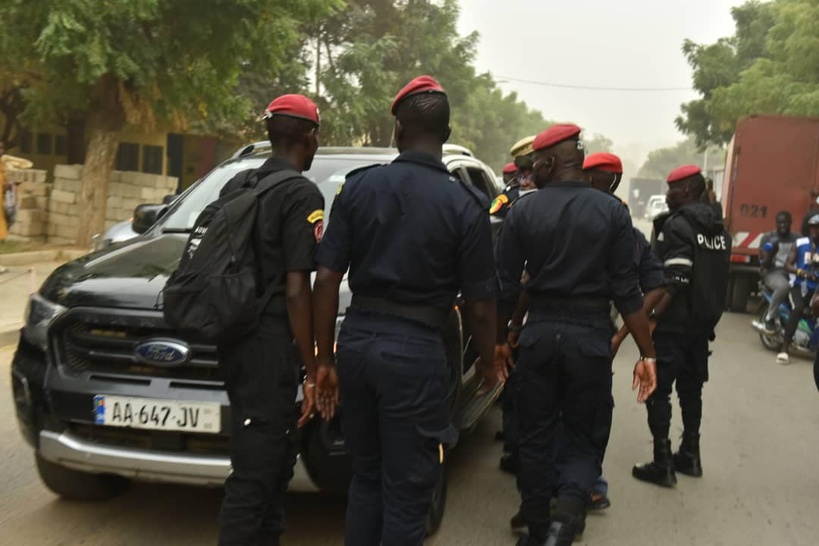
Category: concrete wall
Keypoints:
(49, 212)
(33, 195)
(126, 190)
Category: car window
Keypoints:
(327, 171)
(480, 181)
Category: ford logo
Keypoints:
(162, 352)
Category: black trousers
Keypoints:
(261, 379)
(799, 303)
(682, 359)
(564, 377)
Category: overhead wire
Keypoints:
(592, 87)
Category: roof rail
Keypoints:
(455, 149)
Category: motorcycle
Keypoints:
(806, 337)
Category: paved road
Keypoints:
(760, 438)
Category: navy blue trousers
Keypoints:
(394, 383)
(564, 378)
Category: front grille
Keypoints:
(189, 443)
(103, 341)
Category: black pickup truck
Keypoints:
(106, 393)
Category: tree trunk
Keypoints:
(105, 124)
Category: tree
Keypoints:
(720, 65)
(146, 63)
(371, 49)
(662, 161)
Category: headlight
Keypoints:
(38, 317)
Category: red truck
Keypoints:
(772, 165)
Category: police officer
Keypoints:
(262, 368)
(577, 246)
(695, 250)
(509, 171)
(605, 172)
(521, 152)
(413, 237)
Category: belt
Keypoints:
(545, 303)
(425, 314)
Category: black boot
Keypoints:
(687, 459)
(661, 470)
(568, 523)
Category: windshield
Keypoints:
(327, 171)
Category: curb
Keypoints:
(54, 255)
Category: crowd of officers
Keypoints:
(537, 304)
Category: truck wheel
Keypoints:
(740, 292)
(436, 509)
(81, 486)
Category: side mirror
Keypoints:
(145, 216)
(168, 199)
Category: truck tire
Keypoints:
(740, 292)
(438, 505)
(80, 486)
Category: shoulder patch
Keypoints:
(498, 203)
(315, 216)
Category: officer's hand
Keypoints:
(645, 377)
(512, 338)
(308, 405)
(327, 390)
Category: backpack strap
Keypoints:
(264, 183)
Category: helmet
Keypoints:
(814, 220)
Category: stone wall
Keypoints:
(32, 194)
(50, 212)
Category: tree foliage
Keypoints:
(769, 66)
(148, 63)
(662, 161)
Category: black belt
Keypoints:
(425, 314)
(542, 302)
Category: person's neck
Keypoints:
(568, 174)
(429, 148)
(292, 157)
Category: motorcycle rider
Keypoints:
(773, 261)
(802, 263)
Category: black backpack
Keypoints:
(213, 295)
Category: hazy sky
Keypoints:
(598, 43)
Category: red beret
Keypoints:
(510, 168)
(296, 106)
(604, 161)
(555, 135)
(681, 173)
(421, 84)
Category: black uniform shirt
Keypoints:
(289, 223)
(575, 241)
(411, 233)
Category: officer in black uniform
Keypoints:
(577, 246)
(521, 152)
(413, 237)
(695, 250)
(262, 368)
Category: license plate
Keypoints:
(147, 413)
